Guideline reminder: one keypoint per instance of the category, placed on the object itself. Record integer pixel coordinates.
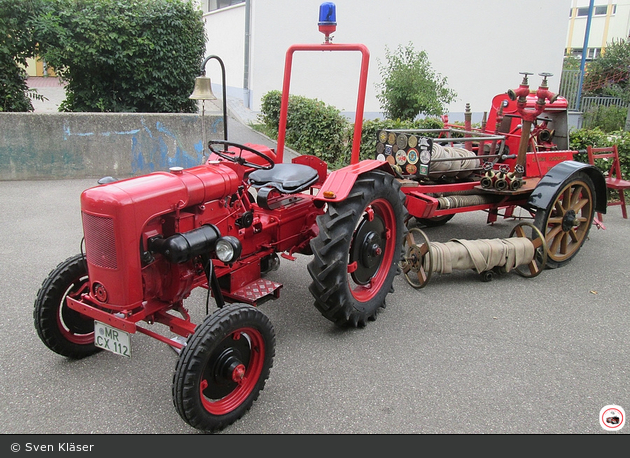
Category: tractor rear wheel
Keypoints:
(357, 250)
(63, 330)
(223, 367)
(567, 221)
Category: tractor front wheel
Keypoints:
(63, 330)
(357, 250)
(223, 367)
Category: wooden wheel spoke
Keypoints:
(556, 239)
(519, 231)
(423, 249)
(551, 235)
(575, 197)
(533, 268)
(422, 276)
(580, 204)
(537, 242)
(564, 239)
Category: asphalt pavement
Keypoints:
(515, 355)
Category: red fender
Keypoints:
(339, 183)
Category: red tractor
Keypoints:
(149, 241)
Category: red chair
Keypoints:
(614, 180)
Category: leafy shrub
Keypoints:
(18, 43)
(133, 56)
(582, 138)
(318, 129)
(609, 119)
(312, 126)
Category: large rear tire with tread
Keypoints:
(63, 330)
(567, 221)
(223, 367)
(357, 250)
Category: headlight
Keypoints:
(228, 248)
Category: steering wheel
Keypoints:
(237, 157)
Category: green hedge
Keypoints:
(580, 139)
(321, 130)
(132, 56)
(312, 126)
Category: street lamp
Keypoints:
(203, 92)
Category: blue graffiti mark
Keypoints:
(160, 127)
(216, 123)
(146, 128)
(68, 133)
(199, 147)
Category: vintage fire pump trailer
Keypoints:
(519, 158)
(149, 241)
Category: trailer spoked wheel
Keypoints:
(417, 261)
(63, 330)
(567, 221)
(538, 263)
(223, 367)
(356, 253)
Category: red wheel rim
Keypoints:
(72, 325)
(248, 375)
(383, 209)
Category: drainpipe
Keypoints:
(246, 61)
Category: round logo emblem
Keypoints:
(412, 156)
(401, 157)
(612, 418)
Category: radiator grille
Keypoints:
(100, 242)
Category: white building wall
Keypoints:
(604, 28)
(225, 31)
(479, 46)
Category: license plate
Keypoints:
(112, 339)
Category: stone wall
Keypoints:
(94, 145)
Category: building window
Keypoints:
(593, 53)
(599, 10)
(218, 4)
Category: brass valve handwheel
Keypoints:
(417, 262)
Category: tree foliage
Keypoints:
(124, 56)
(609, 74)
(410, 86)
(17, 43)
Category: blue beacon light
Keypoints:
(327, 19)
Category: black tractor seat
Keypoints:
(286, 178)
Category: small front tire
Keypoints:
(223, 367)
(63, 330)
